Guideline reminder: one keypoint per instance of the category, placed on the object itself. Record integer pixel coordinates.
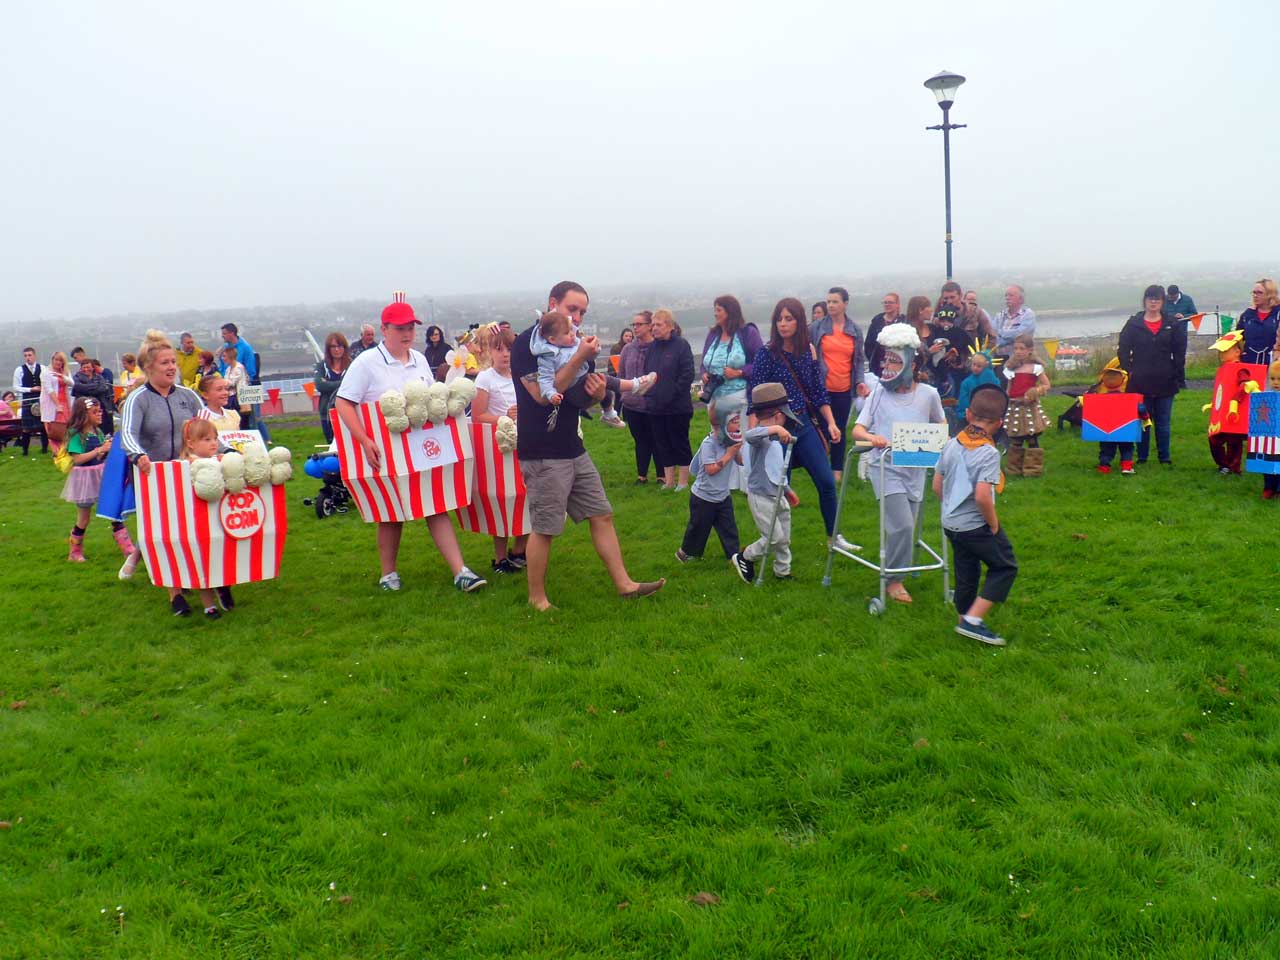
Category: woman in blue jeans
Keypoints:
(1152, 348)
(790, 359)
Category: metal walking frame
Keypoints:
(876, 605)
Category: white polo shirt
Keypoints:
(375, 372)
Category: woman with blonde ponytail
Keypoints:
(150, 429)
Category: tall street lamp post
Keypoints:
(944, 86)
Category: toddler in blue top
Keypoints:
(554, 342)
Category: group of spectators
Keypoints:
(823, 361)
(45, 394)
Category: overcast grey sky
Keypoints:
(166, 154)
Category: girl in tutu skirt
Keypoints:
(88, 450)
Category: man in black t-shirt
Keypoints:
(558, 472)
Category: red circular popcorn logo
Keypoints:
(431, 448)
(242, 514)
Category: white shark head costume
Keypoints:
(722, 412)
(900, 342)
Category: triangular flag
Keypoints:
(1195, 319)
(310, 386)
(274, 394)
(1051, 348)
(1226, 323)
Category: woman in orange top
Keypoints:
(842, 359)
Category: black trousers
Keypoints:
(641, 428)
(974, 548)
(704, 516)
(32, 422)
(671, 439)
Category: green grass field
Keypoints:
(334, 772)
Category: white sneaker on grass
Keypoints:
(468, 581)
(391, 582)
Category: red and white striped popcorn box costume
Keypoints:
(423, 472)
(499, 506)
(190, 543)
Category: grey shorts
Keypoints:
(557, 487)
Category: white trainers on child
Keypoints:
(640, 385)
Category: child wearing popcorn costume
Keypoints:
(391, 365)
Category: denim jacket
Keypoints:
(823, 328)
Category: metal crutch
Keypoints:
(777, 503)
(850, 451)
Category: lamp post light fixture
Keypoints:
(944, 86)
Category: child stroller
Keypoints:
(333, 496)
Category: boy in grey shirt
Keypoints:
(710, 503)
(967, 480)
(765, 477)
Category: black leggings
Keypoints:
(641, 426)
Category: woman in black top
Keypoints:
(328, 377)
(437, 349)
(670, 402)
(1151, 346)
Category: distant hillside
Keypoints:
(276, 330)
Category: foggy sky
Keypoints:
(165, 155)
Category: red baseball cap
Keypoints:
(398, 313)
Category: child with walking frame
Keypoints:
(1025, 382)
(766, 475)
(967, 480)
(199, 442)
(710, 498)
(897, 398)
(88, 451)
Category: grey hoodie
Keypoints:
(152, 425)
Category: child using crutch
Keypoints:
(967, 480)
(767, 481)
(710, 500)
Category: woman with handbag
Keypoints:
(727, 354)
(55, 399)
(791, 360)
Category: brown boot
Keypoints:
(1013, 465)
(1033, 462)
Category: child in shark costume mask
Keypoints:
(713, 470)
(897, 399)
